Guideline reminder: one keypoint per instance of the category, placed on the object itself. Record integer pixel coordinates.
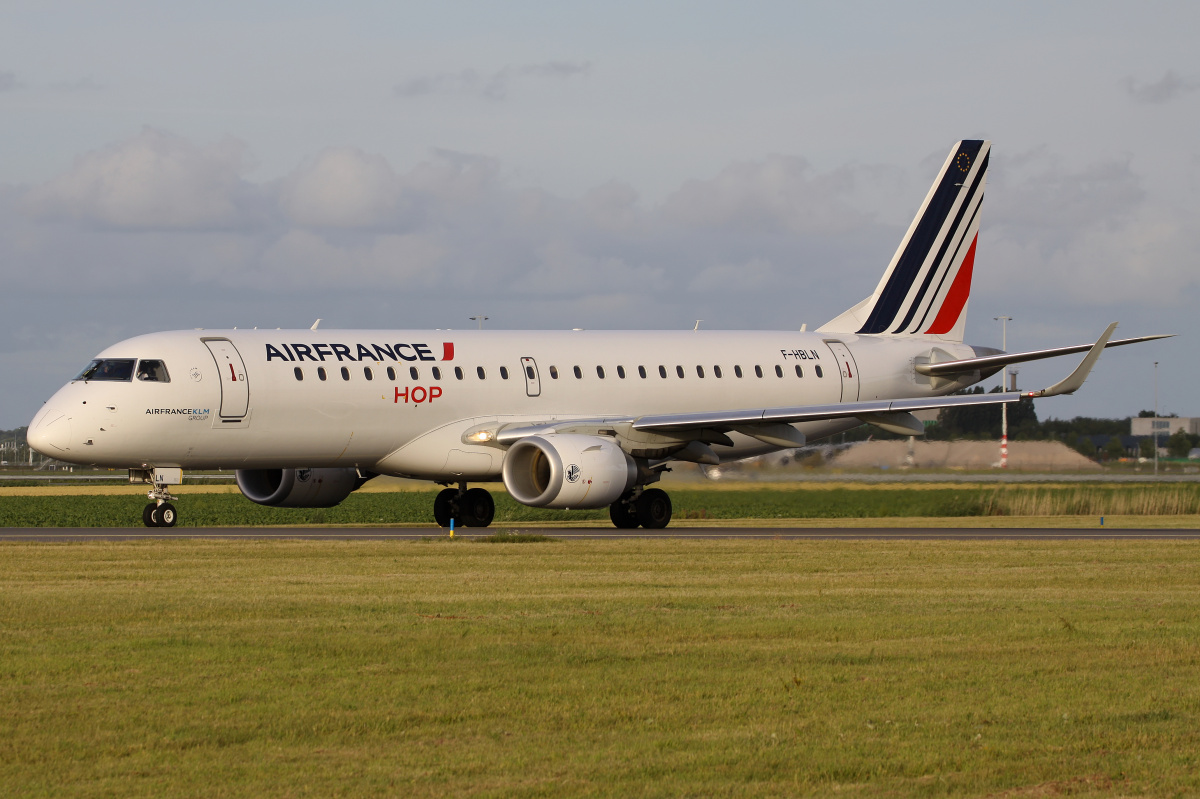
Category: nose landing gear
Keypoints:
(160, 512)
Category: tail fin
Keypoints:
(926, 286)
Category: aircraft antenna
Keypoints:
(697, 327)
(314, 327)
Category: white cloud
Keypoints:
(304, 261)
(342, 188)
(779, 193)
(755, 276)
(493, 86)
(153, 180)
(1167, 88)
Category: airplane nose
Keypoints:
(50, 433)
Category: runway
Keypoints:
(68, 534)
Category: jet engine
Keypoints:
(567, 470)
(299, 488)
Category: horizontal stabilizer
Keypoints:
(995, 362)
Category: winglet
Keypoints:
(1073, 381)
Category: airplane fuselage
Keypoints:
(399, 401)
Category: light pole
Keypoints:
(480, 319)
(1154, 422)
(1003, 320)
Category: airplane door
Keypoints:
(533, 387)
(848, 368)
(235, 389)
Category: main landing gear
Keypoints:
(468, 507)
(649, 508)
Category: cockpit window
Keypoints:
(152, 371)
(108, 369)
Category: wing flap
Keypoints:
(812, 413)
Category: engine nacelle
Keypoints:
(567, 471)
(299, 488)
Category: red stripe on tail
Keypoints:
(956, 297)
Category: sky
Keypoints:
(604, 166)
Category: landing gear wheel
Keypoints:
(165, 516)
(476, 508)
(148, 515)
(654, 509)
(623, 514)
(443, 507)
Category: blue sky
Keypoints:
(612, 166)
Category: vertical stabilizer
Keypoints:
(928, 282)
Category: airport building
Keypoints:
(1164, 426)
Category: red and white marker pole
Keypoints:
(1004, 436)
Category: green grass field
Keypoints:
(840, 502)
(640, 667)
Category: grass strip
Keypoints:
(649, 668)
(410, 507)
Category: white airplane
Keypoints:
(573, 419)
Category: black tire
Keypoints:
(654, 509)
(623, 515)
(476, 508)
(165, 515)
(444, 507)
(148, 515)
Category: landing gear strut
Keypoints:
(160, 512)
(649, 508)
(472, 507)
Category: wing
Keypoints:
(774, 425)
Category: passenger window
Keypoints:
(578, 372)
(367, 373)
(600, 372)
(679, 370)
(699, 371)
(321, 372)
(458, 372)
(758, 371)
(345, 373)
(152, 371)
(778, 370)
(392, 374)
(818, 371)
(737, 370)
(662, 371)
(299, 373)
(621, 372)
(503, 372)
(642, 372)
(716, 371)
(415, 375)
(553, 372)
(479, 371)
(437, 373)
(529, 372)
(799, 371)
